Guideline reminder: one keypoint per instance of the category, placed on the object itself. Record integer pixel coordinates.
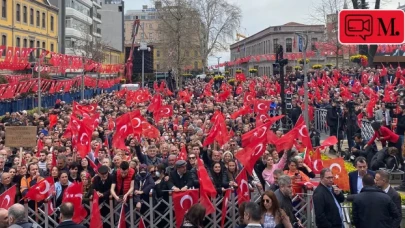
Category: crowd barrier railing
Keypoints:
(321, 125)
(48, 100)
(160, 213)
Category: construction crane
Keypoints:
(129, 64)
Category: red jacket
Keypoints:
(127, 181)
(387, 135)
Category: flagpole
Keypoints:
(304, 37)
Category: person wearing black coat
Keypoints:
(373, 208)
(327, 199)
(180, 179)
(66, 214)
(219, 178)
(333, 121)
(143, 184)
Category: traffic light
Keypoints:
(279, 56)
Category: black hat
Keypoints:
(103, 169)
(180, 163)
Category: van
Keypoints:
(131, 87)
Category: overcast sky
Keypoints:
(260, 14)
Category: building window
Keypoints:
(52, 47)
(31, 16)
(4, 43)
(4, 10)
(52, 22)
(313, 43)
(18, 42)
(38, 18)
(275, 45)
(43, 20)
(43, 45)
(38, 48)
(18, 13)
(25, 43)
(157, 53)
(25, 12)
(288, 45)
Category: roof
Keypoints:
(293, 24)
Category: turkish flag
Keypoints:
(242, 111)
(149, 131)
(140, 96)
(337, 166)
(206, 188)
(95, 220)
(182, 201)
(156, 103)
(7, 198)
(225, 206)
(259, 132)
(136, 121)
(185, 96)
(122, 223)
(84, 139)
(249, 98)
(330, 141)
(122, 130)
(141, 223)
(40, 146)
(183, 153)
(164, 111)
(79, 109)
(41, 190)
(53, 119)
(243, 190)
(74, 195)
(261, 106)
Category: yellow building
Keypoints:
(112, 56)
(29, 23)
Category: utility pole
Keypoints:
(218, 58)
(39, 80)
(304, 54)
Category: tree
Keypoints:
(89, 47)
(219, 21)
(178, 23)
(326, 13)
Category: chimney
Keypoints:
(144, 7)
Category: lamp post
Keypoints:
(304, 55)
(218, 58)
(39, 78)
(143, 47)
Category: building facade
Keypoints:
(112, 29)
(29, 23)
(267, 41)
(80, 25)
(112, 56)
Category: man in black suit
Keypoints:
(327, 199)
(355, 177)
(382, 180)
(179, 178)
(66, 215)
(373, 207)
(17, 218)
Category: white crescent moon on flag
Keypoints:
(168, 111)
(260, 147)
(301, 129)
(184, 198)
(47, 186)
(336, 165)
(81, 139)
(259, 106)
(316, 164)
(248, 99)
(264, 132)
(244, 182)
(138, 122)
(123, 129)
(8, 201)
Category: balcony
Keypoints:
(70, 12)
(97, 18)
(97, 32)
(72, 32)
(97, 4)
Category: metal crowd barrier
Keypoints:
(321, 125)
(48, 100)
(158, 213)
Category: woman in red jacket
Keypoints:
(385, 135)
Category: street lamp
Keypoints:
(143, 47)
(39, 77)
(304, 54)
(218, 58)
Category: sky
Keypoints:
(260, 14)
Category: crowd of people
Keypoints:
(159, 164)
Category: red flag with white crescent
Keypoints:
(41, 190)
(7, 198)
